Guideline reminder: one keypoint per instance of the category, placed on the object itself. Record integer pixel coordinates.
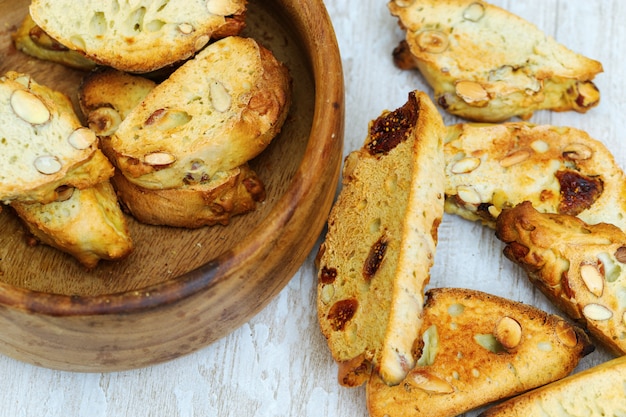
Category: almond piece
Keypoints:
(430, 383)
(29, 107)
(82, 138)
(47, 164)
(219, 96)
(167, 119)
(593, 279)
(465, 165)
(588, 94)
(468, 195)
(514, 158)
(474, 12)
(597, 312)
(433, 41)
(472, 93)
(185, 28)
(620, 254)
(201, 42)
(566, 334)
(222, 7)
(64, 193)
(159, 158)
(104, 121)
(508, 332)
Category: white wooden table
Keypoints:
(278, 363)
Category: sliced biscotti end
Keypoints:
(139, 36)
(216, 201)
(476, 348)
(43, 145)
(380, 243)
(214, 113)
(423, 215)
(487, 64)
(580, 267)
(597, 391)
(87, 224)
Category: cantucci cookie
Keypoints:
(106, 97)
(487, 64)
(476, 348)
(138, 36)
(216, 201)
(216, 112)
(32, 40)
(380, 244)
(490, 167)
(580, 267)
(87, 224)
(44, 146)
(594, 392)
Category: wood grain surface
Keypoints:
(277, 364)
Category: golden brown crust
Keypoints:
(580, 267)
(477, 348)
(486, 64)
(380, 244)
(227, 194)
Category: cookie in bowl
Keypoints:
(138, 36)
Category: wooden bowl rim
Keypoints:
(327, 127)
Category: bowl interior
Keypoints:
(161, 253)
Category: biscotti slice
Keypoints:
(580, 267)
(216, 112)
(490, 167)
(380, 244)
(43, 145)
(487, 64)
(106, 97)
(87, 224)
(32, 40)
(227, 194)
(476, 348)
(594, 392)
(138, 36)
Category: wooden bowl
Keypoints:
(181, 289)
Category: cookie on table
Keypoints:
(596, 391)
(476, 348)
(381, 242)
(580, 267)
(487, 64)
(490, 167)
